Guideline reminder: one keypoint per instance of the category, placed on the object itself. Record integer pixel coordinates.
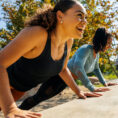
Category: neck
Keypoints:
(58, 36)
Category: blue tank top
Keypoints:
(25, 73)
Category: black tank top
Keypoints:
(25, 73)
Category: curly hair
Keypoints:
(47, 18)
(100, 39)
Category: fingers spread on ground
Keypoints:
(33, 116)
(92, 94)
(36, 114)
(98, 94)
(18, 116)
(88, 94)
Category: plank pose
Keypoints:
(85, 60)
(39, 53)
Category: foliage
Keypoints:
(100, 13)
(15, 15)
(110, 76)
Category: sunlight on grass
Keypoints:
(106, 76)
(99, 85)
(110, 76)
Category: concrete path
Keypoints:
(102, 107)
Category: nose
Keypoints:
(84, 21)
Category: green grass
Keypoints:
(78, 82)
(99, 85)
(106, 76)
(110, 76)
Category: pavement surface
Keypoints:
(105, 106)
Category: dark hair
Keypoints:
(100, 39)
(47, 17)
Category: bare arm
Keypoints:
(65, 74)
(23, 43)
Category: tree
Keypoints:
(100, 13)
(15, 15)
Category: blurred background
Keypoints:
(13, 13)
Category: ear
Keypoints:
(60, 15)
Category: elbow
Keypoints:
(63, 71)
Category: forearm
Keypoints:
(68, 79)
(98, 73)
(87, 84)
(81, 74)
(6, 98)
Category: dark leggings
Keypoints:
(47, 90)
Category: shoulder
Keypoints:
(85, 48)
(35, 31)
(83, 51)
(24, 42)
(32, 35)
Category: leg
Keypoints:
(17, 94)
(48, 89)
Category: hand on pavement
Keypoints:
(18, 113)
(92, 94)
(81, 95)
(111, 84)
(102, 89)
(84, 95)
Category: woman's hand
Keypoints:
(92, 94)
(110, 84)
(18, 113)
(102, 89)
(81, 95)
(84, 95)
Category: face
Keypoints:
(109, 42)
(74, 21)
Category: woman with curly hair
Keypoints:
(85, 60)
(40, 52)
